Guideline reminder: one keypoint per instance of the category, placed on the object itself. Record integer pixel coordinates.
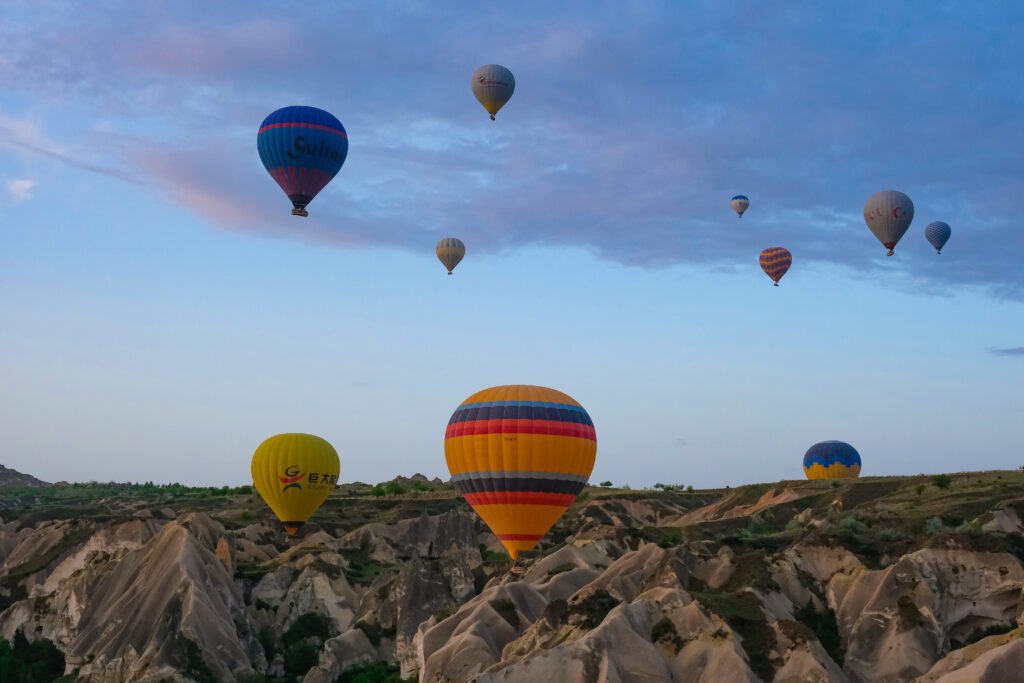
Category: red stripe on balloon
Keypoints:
(502, 426)
(520, 537)
(315, 126)
(520, 498)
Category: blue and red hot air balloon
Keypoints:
(302, 148)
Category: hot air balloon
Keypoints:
(775, 261)
(450, 251)
(302, 148)
(832, 460)
(493, 86)
(739, 205)
(937, 234)
(294, 474)
(520, 455)
(888, 215)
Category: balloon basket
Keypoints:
(776, 284)
(518, 568)
(492, 117)
(300, 212)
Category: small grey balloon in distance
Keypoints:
(450, 251)
(493, 86)
(739, 204)
(888, 215)
(937, 234)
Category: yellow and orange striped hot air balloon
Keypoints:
(520, 455)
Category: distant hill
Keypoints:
(14, 479)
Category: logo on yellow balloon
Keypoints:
(294, 478)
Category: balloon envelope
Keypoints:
(493, 86)
(937, 234)
(775, 261)
(831, 460)
(520, 455)
(294, 474)
(888, 215)
(739, 204)
(450, 251)
(302, 148)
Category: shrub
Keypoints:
(378, 672)
(920, 489)
(394, 488)
(606, 484)
(933, 526)
(825, 628)
(377, 491)
(507, 610)
(942, 481)
(24, 661)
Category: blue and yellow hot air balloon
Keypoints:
(294, 474)
(302, 148)
(832, 460)
(520, 455)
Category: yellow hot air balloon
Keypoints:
(294, 474)
(520, 455)
(450, 251)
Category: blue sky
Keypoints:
(162, 312)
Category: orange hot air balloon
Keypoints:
(520, 455)
(775, 261)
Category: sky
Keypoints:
(161, 311)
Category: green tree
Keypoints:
(942, 481)
(377, 491)
(394, 488)
(606, 484)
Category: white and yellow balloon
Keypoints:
(493, 86)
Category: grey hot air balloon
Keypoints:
(450, 251)
(937, 234)
(739, 204)
(888, 215)
(493, 86)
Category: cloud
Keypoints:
(1012, 351)
(27, 136)
(21, 189)
(630, 129)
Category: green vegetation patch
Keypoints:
(751, 570)
(982, 633)
(361, 568)
(309, 625)
(592, 609)
(507, 610)
(378, 672)
(742, 611)
(664, 632)
(825, 628)
(374, 632)
(24, 662)
(910, 615)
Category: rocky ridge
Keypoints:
(880, 580)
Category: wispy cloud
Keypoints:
(630, 128)
(27, 136)
(1012, 351)
(21, 189)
